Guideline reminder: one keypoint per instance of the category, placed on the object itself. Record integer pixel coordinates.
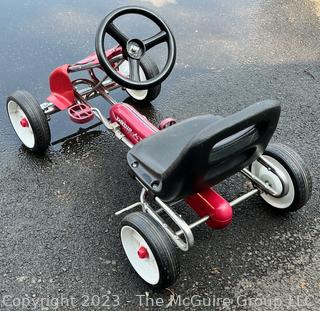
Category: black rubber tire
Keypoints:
(298, 171)
(161, 245)
(151, 70)
(36, 117)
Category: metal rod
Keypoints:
(171, 205)
(81, 67)
(283, 178)
(105, 94)
(180, 222)
(90, 65)
(79, 132)
(158, 211)
(189, 239)
(184, 246)
(175, 203)
(100, 116)
(114, 127)
(49, 108)
(108, 84)
(244, 197)
(95, 89)
(128, 208)
(195, 224)
(260, 183)
(88, 93)
(263, 185)
(92, 91)
(185, 229)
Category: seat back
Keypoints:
(208, 155)
(229, 145)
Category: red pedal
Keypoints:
(81, 113)
(166, 123)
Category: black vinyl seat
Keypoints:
(202, 151)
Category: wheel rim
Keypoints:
(146, 267)
(21, 124)
(274, 182)
(136, 94)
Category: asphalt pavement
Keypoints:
(59, 236)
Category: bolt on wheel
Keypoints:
(150, 250)
(297, 175)
(29, 121)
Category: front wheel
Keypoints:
(148, 69)
(29, 121)
(150, 250)
(296, 171)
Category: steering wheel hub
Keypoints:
(135, 48)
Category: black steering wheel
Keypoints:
(134, 49)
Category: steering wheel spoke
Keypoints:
(134, 69)
(160, 37)
(117, 34)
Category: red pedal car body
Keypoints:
(173, 162)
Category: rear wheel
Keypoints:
(148, 70)
(29, 121)
(150, 250)
(296, 172)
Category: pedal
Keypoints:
(81, 113)
(166, 123)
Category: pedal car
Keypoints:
(172, 162)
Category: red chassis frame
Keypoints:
(208, 204)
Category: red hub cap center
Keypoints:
(24, 122)
(143, 253)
